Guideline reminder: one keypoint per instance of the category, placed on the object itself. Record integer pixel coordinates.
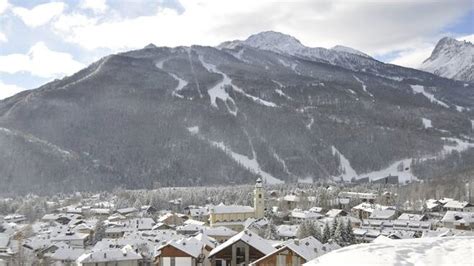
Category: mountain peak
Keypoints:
(451, 59)
(150, 46)
(445, 43)
(275, 41)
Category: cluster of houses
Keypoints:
(217, 235)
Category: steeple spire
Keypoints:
(259, 200)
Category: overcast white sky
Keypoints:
(42, 40)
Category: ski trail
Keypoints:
(364, 87)
(218, 90)
(251, 164)
(345, 166)
(254, 98)
(310, 124)
(181, 82)
(430, 96)
(188, 49)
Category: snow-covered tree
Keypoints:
(99, 231)
(302, 231)
(333, 227)
(270, 230)
(326, 233)
(317, 233)
(349, 234)
(339, 233)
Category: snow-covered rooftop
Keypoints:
(411, 217)
(454, 204)
(458, 217)
(221, 208)
(248, 237)
(109, 255)
(382, 214)
(191, 246)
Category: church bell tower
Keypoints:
(258, 199)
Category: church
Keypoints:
(234, 216)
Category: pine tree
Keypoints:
(302, 231)
(326, 233)
(350, 238)
(99, 231)
(310, 226)
(270, 231)
(317, 233)
(338, 233)
(333, 227)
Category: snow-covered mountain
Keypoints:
(197, 115)
(451, 59)
(285, 44)
(345, 49)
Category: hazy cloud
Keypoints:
(7, 90)
(375, 27)
(97, 6)
(40, 14)
(40, 61)
(416, 54)
(3, 37)
(3, 6)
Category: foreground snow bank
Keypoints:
(420, 251)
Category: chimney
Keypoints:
(297, 242)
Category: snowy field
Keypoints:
(420, 251)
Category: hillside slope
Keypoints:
(202, 115)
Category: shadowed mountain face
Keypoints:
(199, 115)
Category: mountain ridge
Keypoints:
(198, 115)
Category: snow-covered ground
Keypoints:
(451, 59)
(364, 87)
(218, 91)
(431, 97)
(281, 93)
(395, 169)
(181, 82)
(458, 145)
(306, 180)
(250, 163)
(347, 171)
(310, 124)
(426, 123)
(420, 251)
(291, 65)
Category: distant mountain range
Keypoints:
(266, 106)
(451, 59)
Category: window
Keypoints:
(259, 196)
